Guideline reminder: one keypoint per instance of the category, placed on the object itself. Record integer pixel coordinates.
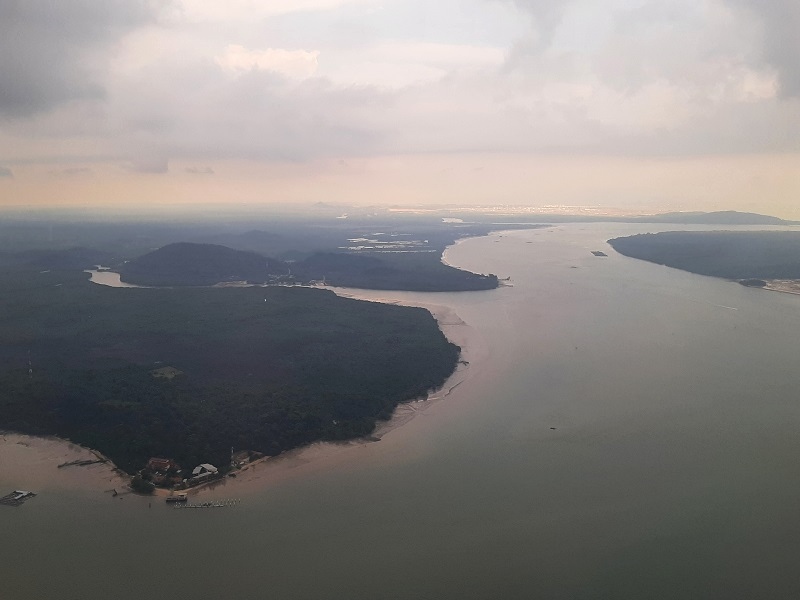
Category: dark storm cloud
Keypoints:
(781, 38)
(53, 51)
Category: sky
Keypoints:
(621, 105)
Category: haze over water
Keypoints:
(631, 431)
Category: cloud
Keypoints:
(6, 172)
(198, 113)
(54, 52)
(646, 77)
(216, 11)
(546, 17)
(580, 77)
(291, 63)
(70, 172)
(780, 22)
(147, 164)
(400, 64)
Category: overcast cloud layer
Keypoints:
(141, 84)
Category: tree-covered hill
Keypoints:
(185, 263)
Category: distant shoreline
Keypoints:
(784, 286)
(763, 259)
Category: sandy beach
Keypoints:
(787, 286)
(29, 462)
(455, 329)
(32, 463)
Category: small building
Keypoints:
(161, 465)
(204, 471)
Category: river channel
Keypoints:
(624, 430)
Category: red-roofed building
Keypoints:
(161, 465)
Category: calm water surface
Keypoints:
(633, 432)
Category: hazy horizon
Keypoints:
(625, 106)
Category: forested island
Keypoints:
(750, 256)
(189, 373)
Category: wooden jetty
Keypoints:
(210, 504)
(83, 463)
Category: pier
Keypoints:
(210, 504)
(83, 463)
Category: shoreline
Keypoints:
(321, 456)
(33, 460)
(784, 286)
(455, 329)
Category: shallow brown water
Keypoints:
(629, 431)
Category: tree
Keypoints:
(140, 485)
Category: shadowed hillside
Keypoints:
(186, 263)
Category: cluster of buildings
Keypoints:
(165, 472)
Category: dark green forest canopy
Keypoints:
(199, 264)
(190, 264)
(263, 369)
(729, 254)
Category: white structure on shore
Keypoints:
(204, 470)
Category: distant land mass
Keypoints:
(741, 255)
(262, 369)
(725, 217)
(185, 263)
(190, 264)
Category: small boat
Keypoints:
(16, 498)
(177, 498)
